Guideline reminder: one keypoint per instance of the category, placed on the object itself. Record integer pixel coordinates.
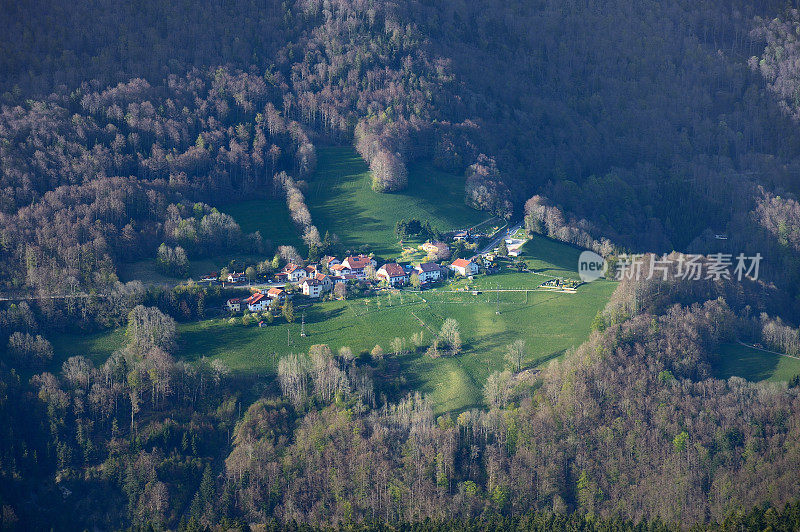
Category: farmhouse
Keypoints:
(294, 273)
(428, 272)
(209, 277)
(277, 293)
(464, 267)
(338, 279)
(257, 302)
(435, 248)
(462, 236)
(327, 261)
(358, 264)
(234, 304)
(311, 270)
(327, 283)
(311, 287)
(393, 273)
(234, 277)
(339, 269)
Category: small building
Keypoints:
(462, 236)
(328, 260)
(428, 272)
(464, 267)
(393, 274)
(311, 270)
(311, 288)
(278, 294)
(338, 279)
(339, 269)
(234, 304)
(210, 277)
(257, 302)
(235, 277)
(294, 273)
(358, 264)
(435, 248)
(327, 284)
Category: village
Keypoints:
(333, 278)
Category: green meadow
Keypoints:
(342, 202)
(270, 217)
(753, 364)
(549, 322)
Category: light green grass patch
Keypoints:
(550, 257)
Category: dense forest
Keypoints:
(616, 125)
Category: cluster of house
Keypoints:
(314, 283)
(258, 301)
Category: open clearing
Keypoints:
(549, 322)
(270, 217)
(754, 364)
(342, 202)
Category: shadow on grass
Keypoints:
(735, 360)
(213, 340)
(537, 363)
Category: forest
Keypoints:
(618, 126)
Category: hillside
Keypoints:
(549, 323)
(145, 144)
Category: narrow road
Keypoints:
(496, 241)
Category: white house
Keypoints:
(234, 277)
(277, 293)
(311, 287)
(464, 267)
(209, 277)
(257, 302)
(294, 273)
(393, 273)
(327, 283)
(329, 261)
(234, 304)
(338, 279)
(339, 269)
(428, 272)
(358, 264)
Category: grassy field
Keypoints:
(550, 257)
(550, 323)
(97, 347)
(754, 364)
(268, 216)
(147, 272)
(341, 201)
